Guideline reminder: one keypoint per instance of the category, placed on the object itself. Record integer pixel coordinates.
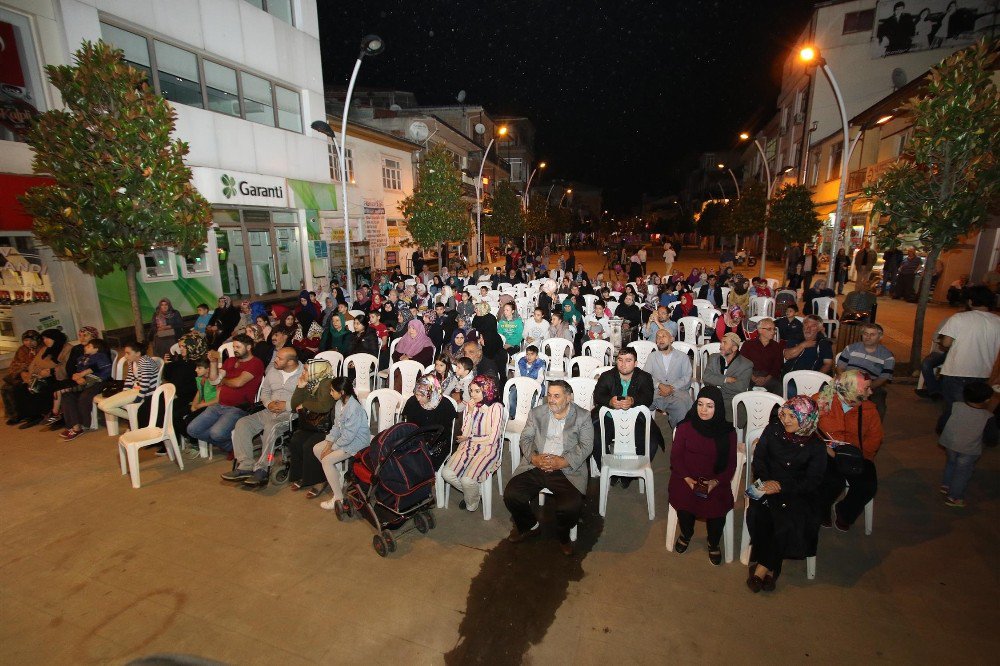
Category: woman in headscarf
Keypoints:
(222, 323)
(846, 414)
(80, 363)
(415, 345)
(305, 313)
(362, 340)
(278, 313)
(731, 321)
(165, 327)
(422, 299)
(453, 348)
(546, 297)
(33, 397)
(436, 286)
(180, 371)
(334, 337)
(572, 316)
(290, 325)
(702, 465)
(262, 349)
(263, 325)
(740, 294)
(486, 325)
(787, 465)
(818, 289)
(478, 449)
(686, 308)
(428, 407)
(312, 401)
(31, 343)
(375, 305)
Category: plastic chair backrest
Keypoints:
(725, 295)
(623, 421)
(600, 370)
(616, 295)
(557, 350)
(807, 382)
(589, 300)
(118, 367)
(599, 349)
(583, 391)
(335, 358)
(702, 303)
(693, 355)
(159, 370)
(584, 365)
(610, 308)
(225, 351)
(643, 348)
(529, 392)
(757, 407)
(390, 404)
(392, 347)
(408, 371)
(762, 306)
(365, 369)
(706, 350)
(825, 307)
(166, 392)
(690, 329)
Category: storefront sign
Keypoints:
(238, 188)
(17, 112)
(376, 231)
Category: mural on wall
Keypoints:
(921, 25)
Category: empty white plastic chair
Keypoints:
(408, 373)
(762, 306)
(557, 350)
(529, 392)
(643, 348)
(825, 307)
(599, 349)
(807, 382)
(335, 358)
(365, 372)
(690, 330)
(583, 391)
(583, 366)
(130, 443)
(384, 406)
(623, 460)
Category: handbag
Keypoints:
(37, 385)
(112, 387)
(313, 421)
(849, 459)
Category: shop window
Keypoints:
(158, 265)
(392, 174)
(289, 114)
(221, 89)
(177, 73)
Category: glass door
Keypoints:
(261, 252)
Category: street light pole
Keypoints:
(733, 176)
(479, 193)
(767, 205)
(526, 199)
(370, 45)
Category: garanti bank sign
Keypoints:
(237, 188)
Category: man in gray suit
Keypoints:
(671, 370)
(729, 371)
(555, 448)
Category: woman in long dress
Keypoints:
(478, 447)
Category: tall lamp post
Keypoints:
(370, 45)
(733, 176)
(811, 57)
(479, 193)
(744, 136)
(526, 199)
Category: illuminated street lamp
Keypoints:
(810, 55)
(371, 45)
(744, 136)
(723, 166)
(502, 131)
(526, 199)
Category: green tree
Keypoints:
(949, 176)
(792, 215)
(745, 216)
(121, 186)
(435, 213)
(507, 218)
(536, 218)
(712, 219)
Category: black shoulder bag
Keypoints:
(849, 459)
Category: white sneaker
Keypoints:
(328, 504)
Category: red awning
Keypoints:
(12, 214)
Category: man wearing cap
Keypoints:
(729, 371)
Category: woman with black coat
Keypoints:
(363, 340)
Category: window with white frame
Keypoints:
(334, 161)
(833, 168)
(814, 168)
(392, 174)
(516, 169)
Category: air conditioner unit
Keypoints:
(799, 118)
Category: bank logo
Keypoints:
(228, 186)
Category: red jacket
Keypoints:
(844, 427)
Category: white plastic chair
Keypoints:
(825, 307)
(589, 301)
(529, 392)
(599, 349)
(710, 317)
(132, 409)
(624, 461)
(584, 366)
(617, 295)
(600, 370)
(583, 391)
(130, 443)
(692, 353)
(704, 351)
(117, 372)
(773, 284)
(728, 531)
(383, 375)
(390, 405)
(610, 308)
(807, 382)
(443, 489)
(358, 314)
(335, 358)
(226, 351)
(725, 295)
(557, 350)
(365, 372)
(690, 330)
(541, 502)
(703, 304)
(762, 306)
(409, 372)
(175, 350)
(643, 348)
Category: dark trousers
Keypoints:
(640, 439)
(182, 431)
(767, 545)
(685, 521)
(33, 405)
(305, 467)
(952, 390)
(77, 408)
(565, 499)
(862, 489)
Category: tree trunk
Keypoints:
(442, 256)
(133, 297)
(916, 348)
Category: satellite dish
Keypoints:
(480, 128)
(418, 131)
(395, 107)
(899, 78)
(461, 96)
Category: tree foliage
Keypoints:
(507, 218)
(712, 220)
(949, 176)
(745, 215)
(435, 212)
(536, 218)
(792, 214)
(121, 185)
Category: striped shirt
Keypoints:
(878, 364)
(143, 373)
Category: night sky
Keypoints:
(623, 97)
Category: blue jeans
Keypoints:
(957, 472)
(215, 425)
(951, 390)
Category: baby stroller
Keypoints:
(392, 481)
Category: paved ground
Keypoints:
(92, 571)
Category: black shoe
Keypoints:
(30, 423)
(922, 393)
(14, 420)
(755, 583)
(626, 482)
(768, 584)
(681, 546)
(259, 479)
(715, 556)
(517, 536)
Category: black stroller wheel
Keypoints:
(347, 508)
(281, 476)
(431, 523)
(338, 510)
(387, 536)
(420, 522)
(380, 546)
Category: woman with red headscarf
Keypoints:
(478, 450)
(731, 321)
(685, 308)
